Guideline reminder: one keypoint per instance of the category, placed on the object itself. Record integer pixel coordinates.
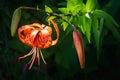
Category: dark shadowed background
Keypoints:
(61, 58)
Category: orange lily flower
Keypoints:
(39, 37)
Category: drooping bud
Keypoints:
(15, 21)
(79, 45)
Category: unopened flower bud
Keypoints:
(79, 45)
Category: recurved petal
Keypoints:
(23, 31)
(36, 25)
(27, 34)
(57, 31)
(30, 38)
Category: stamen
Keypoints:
(25, 67)
(33, 59)
(30, 53)
(42, 56)
(38, 56)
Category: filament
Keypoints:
(38, 56)
(42, 57)
(33, 58)
(30, 53)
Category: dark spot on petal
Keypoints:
(22, 33)
(35, 26)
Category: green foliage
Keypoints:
(48, 9)
(98, 26)
(96, 32)
(91, 5)
(107, 17)
(74, 6)
(64, 24)
(87, 25)
(86, 18)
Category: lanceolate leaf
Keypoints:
(96, 33)
(63, 10)
(107, 17)
(79, 22)
(90, 5)
(87, 25)
(72, 3)
(15, 21)
(48, 9)
(110, 22)
(114, 30)
(64, 24)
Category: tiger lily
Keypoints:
(39, 37)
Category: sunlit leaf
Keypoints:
(87, 27)
(64, 24)
(81, 28)
(76, 9)
(67, 26)
(51, 17)
(71, 3)
(48, 9)
(15, 21)
(74, 6)
(63, 10)
(90, 5)
(80, 23)
(75, 20)
(106, 16)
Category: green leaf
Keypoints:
(15, 21)
(51, 17)
(97, 26)
(80, 23)
(63, 10)
(87, 25)
(114, 30)
(74, 6)
(64, 25)
(72, 3)
(90, 5)
(106, 16)
(96, 32)
(48, 9)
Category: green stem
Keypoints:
(51, 13)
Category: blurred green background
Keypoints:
(61, 58)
